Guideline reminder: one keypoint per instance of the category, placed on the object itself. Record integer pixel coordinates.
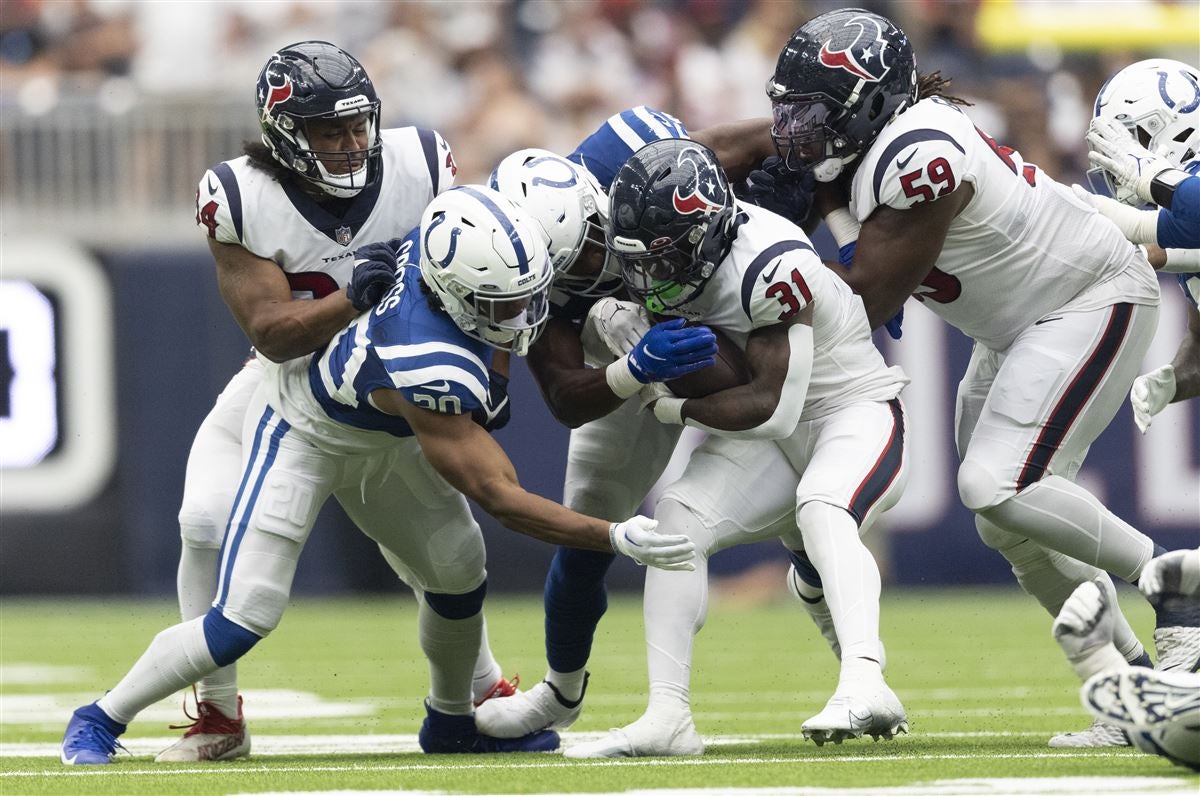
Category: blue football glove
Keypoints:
(498, 411)
(895, 325)
(777, 188)
(670, 350)
(374, 274)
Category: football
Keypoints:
(730, 370)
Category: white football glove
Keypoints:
(1150, 394)
(1084, 628)
(618, 324)
(1114, 149)
(1176, 572)
(1138, 226)
(638, 539)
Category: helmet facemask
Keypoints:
(672, 274)
(807, 139)
(508, 320)
(352, 170)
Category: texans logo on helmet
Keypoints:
(277, 93)
(863, 57)
(704, 183)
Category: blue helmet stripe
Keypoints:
(505, 223)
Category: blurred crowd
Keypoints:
(497, 75)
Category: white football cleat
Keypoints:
(656, 734)
(853, 711)
(821, 616)
(1101, 734)
(211, 736)
(540, 708)
(1139, 698)
(1177, 648)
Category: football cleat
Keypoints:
(1177, 648)
(91, 738)
(501, 689)
(542, 707)
(1100, 734)
(658, 733)
(446, 734)
(1143, 698)
(854, 711)
(818, 611)
(211, 736)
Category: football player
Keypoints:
(1160, 710)
(384, 412)
(812, 448)
(1061, 307)
(283, 223)
(616, 452)
(1145, 141)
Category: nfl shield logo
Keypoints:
(343, 235)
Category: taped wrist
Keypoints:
(621, 379)
(669, 411)
(842, 226)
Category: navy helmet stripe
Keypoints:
(429, 147)
(905, 140)
(1078, 392)
(232, 193)
(886, 469)
(513, 235)
(248, 510)
(761, 262)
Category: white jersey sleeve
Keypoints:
(439, 159)
(219, 205)
(774, 287)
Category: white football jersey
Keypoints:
(770, 274)
(1023, 247)
(248, 207)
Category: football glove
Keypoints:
(374, 274)
(1084, 628)
(1114, 149)
(620, 325)
(498, 411)
(1150, 395)
(638, 539)
(1173, 573)
(667, 351)
(777, 188)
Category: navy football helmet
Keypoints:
(316, 80)
(672, 219)
(840, 78)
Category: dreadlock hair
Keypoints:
(934, 85)
(262, 159)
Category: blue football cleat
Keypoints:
(444, 734)
(91, 738)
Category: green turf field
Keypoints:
(334, 701)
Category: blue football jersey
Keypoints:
(1190, 282)
(604, 152)
(402, 344)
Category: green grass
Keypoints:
(983, 683)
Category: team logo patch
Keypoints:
(279, 89)
(863, 56)
(343, 235)
(705, 192)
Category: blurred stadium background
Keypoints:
(115, 342)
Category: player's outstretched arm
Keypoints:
(897, 249)
(575, 394)
(740, 146)
(257, 293)
(475, 464)
(769, 405)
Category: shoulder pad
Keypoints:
(606, 150)
(219, 204)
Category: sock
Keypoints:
(569, 684)
(575, 598)
(855, 670)
(176, 658)
(674, 609)
(849, 574)
(196, 584)
(451, 646)
(1063, 516)
(487, 670)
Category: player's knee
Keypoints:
(457, 606)
(676, 516)
(227, 640)
(805, 569)
(199, 528)
(978, 487)
(995, 537)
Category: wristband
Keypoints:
(669, 411)
(842, 226)
(1162, 187)
(621, 379)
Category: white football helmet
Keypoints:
(571, 208)
(1158, 101)
(485, 259)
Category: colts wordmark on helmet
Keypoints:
(863, 57)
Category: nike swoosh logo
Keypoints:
(902, 163)
(212, 189)
(444, 386)
(769, 276)
(1047, 320)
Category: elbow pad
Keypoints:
(782, 422)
